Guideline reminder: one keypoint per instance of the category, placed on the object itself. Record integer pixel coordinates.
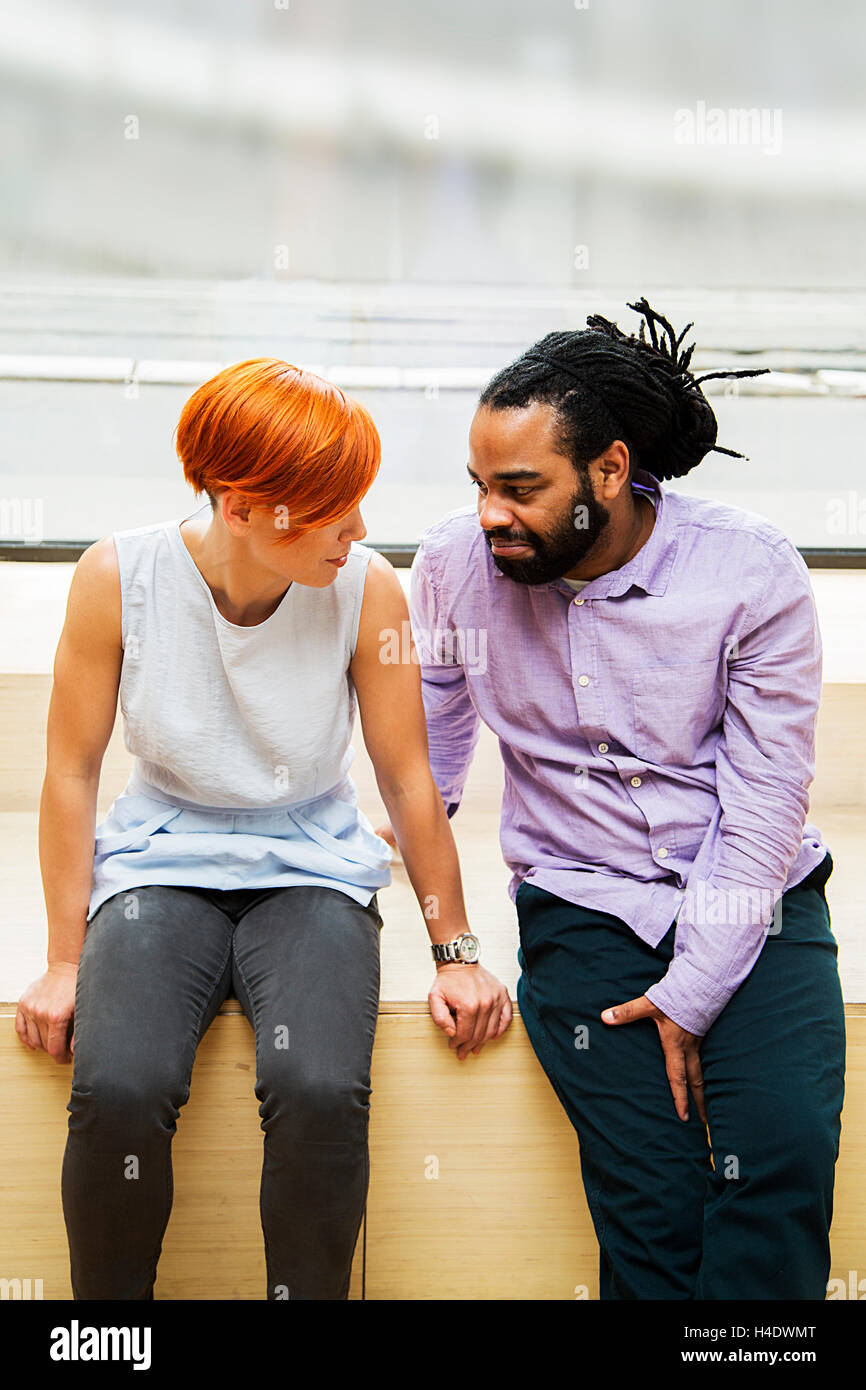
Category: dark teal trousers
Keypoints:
(742, 1211)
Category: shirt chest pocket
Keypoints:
(676, 712)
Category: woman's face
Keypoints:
(315, 559)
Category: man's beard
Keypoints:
(573, 536)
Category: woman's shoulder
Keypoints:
(92, 624)
(383, 604)
(97, 574)
(380, 575)
(372, 573)
(362, 554)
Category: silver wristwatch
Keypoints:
(463, 951)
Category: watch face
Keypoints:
(468, 948)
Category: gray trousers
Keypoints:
(156, 965)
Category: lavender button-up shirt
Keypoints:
(657, 727)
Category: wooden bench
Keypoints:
(475, 1190)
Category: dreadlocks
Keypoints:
(607, 385)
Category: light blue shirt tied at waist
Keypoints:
(241, 736)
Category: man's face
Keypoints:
(539, 516)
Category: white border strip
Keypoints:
(175, 372)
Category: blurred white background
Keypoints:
(404, 197)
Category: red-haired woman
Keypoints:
(240, 641)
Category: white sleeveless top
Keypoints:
(241, 736)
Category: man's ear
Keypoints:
(615, 468)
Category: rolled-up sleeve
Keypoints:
(765, 763)
(453, 723)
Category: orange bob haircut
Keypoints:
(281, 438)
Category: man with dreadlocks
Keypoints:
(653, 673)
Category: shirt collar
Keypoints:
(649, 569)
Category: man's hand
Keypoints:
(682, 1058)
(470, 1005)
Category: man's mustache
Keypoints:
(520, 540)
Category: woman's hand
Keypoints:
(387, 834)
(45, 1011)
(470, 1005)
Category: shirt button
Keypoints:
(663, 854)
(579, 600)
(602, 747)
(636, 781)
(583, 680)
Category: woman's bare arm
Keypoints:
(81, 717)
(395, 734)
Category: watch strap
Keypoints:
(449, 951)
